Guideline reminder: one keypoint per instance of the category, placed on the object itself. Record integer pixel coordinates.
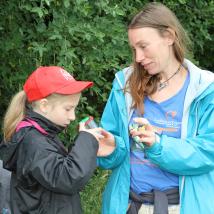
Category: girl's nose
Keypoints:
(72, 116)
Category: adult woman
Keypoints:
(177, 100)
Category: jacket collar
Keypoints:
(200, 80)
(51, 128)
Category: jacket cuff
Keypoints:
(156, 147)
(88, 137)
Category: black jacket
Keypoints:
(46, 179)
(4, 189)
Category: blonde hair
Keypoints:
(15, 113)
(161, 18)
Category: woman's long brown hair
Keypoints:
(158, 16)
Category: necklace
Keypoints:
(162, 85)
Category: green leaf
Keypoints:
(38, 10)
(66, 3)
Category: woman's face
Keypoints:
(152, 50)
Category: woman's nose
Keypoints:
(139, 56)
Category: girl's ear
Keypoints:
(43, 106)
(170, 35)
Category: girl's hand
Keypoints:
(95, 132)
(105, 140)
(146, 136)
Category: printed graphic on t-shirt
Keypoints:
(167, 124)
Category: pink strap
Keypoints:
(22, 124)
(29, 122)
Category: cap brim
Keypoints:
(75, 87)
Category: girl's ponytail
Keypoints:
(15, 113)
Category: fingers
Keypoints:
(145, 132)
(141, 120)
(106, 147)
(147, 141)
(102, 136)
(82, 126)
(99, 136)
(105, 133)
(96, 132)
(144, 122)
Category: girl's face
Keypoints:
(152, 50)
(62, 110)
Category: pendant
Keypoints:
(162, 86)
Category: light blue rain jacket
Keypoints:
(191, 157)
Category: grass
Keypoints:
(91, 196)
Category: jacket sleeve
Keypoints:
(111, 122)
(58, 173)
(191, 156)
(4, 188)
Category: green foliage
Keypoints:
(93, 192)
(89, 39)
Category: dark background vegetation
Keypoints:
(89, 39)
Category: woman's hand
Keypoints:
(147, 135)
(106, 144)
(105, 140)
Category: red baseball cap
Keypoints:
(47, 80)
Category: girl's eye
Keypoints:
(143, 46)
(69, 109)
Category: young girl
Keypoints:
(46, 178)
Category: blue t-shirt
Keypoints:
(166, 117)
